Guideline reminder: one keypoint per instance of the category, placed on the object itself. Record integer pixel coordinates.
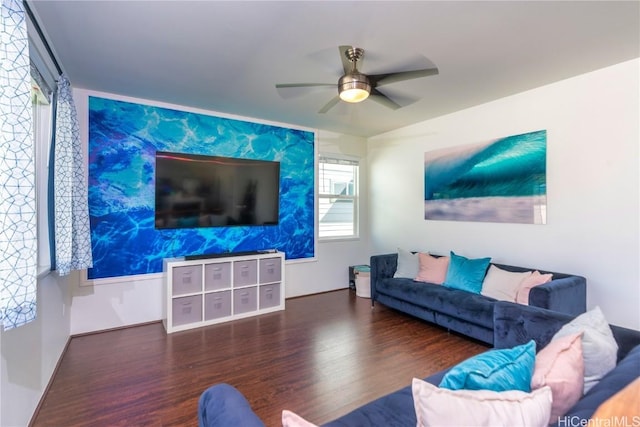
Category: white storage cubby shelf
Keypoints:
(205, 291)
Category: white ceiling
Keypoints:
(228, 56)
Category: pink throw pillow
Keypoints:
(522, 296)
(290, 419)
(560, 366)
(432, 269)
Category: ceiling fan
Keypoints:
(354, 86)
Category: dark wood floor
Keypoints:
(323, 356)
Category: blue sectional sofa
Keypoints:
(465, 312)
(222, 405)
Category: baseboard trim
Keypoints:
(48, 386)
(117, 328)
(319, 293)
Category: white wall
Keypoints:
(330, 270)
(116, 303)
(592, 229)
(30, 353)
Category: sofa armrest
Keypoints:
(565, 295)
(222, 405)
(382, 267)
(515, 324)
(626, 338)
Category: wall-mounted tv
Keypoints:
(211, 191)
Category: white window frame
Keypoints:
(344, 160)
(42, 129)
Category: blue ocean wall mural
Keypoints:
(123, 140)
(502, 180)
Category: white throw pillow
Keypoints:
(501, 284)
(408, 264)
(599, 347)
(436, 406)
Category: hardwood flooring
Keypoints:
(322, 357)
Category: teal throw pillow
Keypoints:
(466, 274)
(496, 370)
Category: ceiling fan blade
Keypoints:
(346, 64)
(387, 78)
(329, 105)
(286, 85)
(383, 99)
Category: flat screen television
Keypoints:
(211, 191)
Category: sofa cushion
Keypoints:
(465, 327)
(466, 306)
(469, 307)
(497, 370)
(622, 375)
(560, 366)
(599, 347)
(432, 269)
(442, 407)
(407, 264)
(392, 410)
(466, 274)
(501, 284)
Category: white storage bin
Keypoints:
(245, 272)
(270, 270)
(245, 300)
(269, 295)
(217, 276)
(217, 305)
(187, 279)
(363, 285)
(187, 310)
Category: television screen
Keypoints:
(210, 191)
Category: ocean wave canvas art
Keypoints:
(123, 140)
(502, 180)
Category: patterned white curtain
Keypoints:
(72, 232)
(18, 241)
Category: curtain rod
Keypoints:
(42, 37)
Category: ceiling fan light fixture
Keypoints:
(354, 87)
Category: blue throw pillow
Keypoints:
(497, 370)
(466, 274)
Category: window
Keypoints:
(44, 75)
(337, 197)
(42, 115)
